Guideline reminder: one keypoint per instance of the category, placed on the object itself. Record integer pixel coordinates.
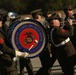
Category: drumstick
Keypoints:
(35, 42)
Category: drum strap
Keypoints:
(60, 44)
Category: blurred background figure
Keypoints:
(69, 12)
(4, 16)
(46, 14)
(13, 16)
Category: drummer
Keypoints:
(45, 56)
(23, 62)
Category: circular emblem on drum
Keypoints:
(29, 36)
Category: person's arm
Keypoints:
(4, 48)
(66, 32)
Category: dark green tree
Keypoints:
(25, 6)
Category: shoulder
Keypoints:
(60, 30)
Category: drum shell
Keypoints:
(34, 26)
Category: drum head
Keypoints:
(27, 36)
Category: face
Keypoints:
(70, 13)
(55, 23)
(39, 18)
(0, 23)
(49, 15)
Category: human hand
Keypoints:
(21, 54)
(26, 54)
(70, 22)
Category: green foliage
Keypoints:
(25, 6)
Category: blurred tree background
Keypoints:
(25, 6)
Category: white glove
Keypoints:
(26, 54)
(15, 58)
(21, 54)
